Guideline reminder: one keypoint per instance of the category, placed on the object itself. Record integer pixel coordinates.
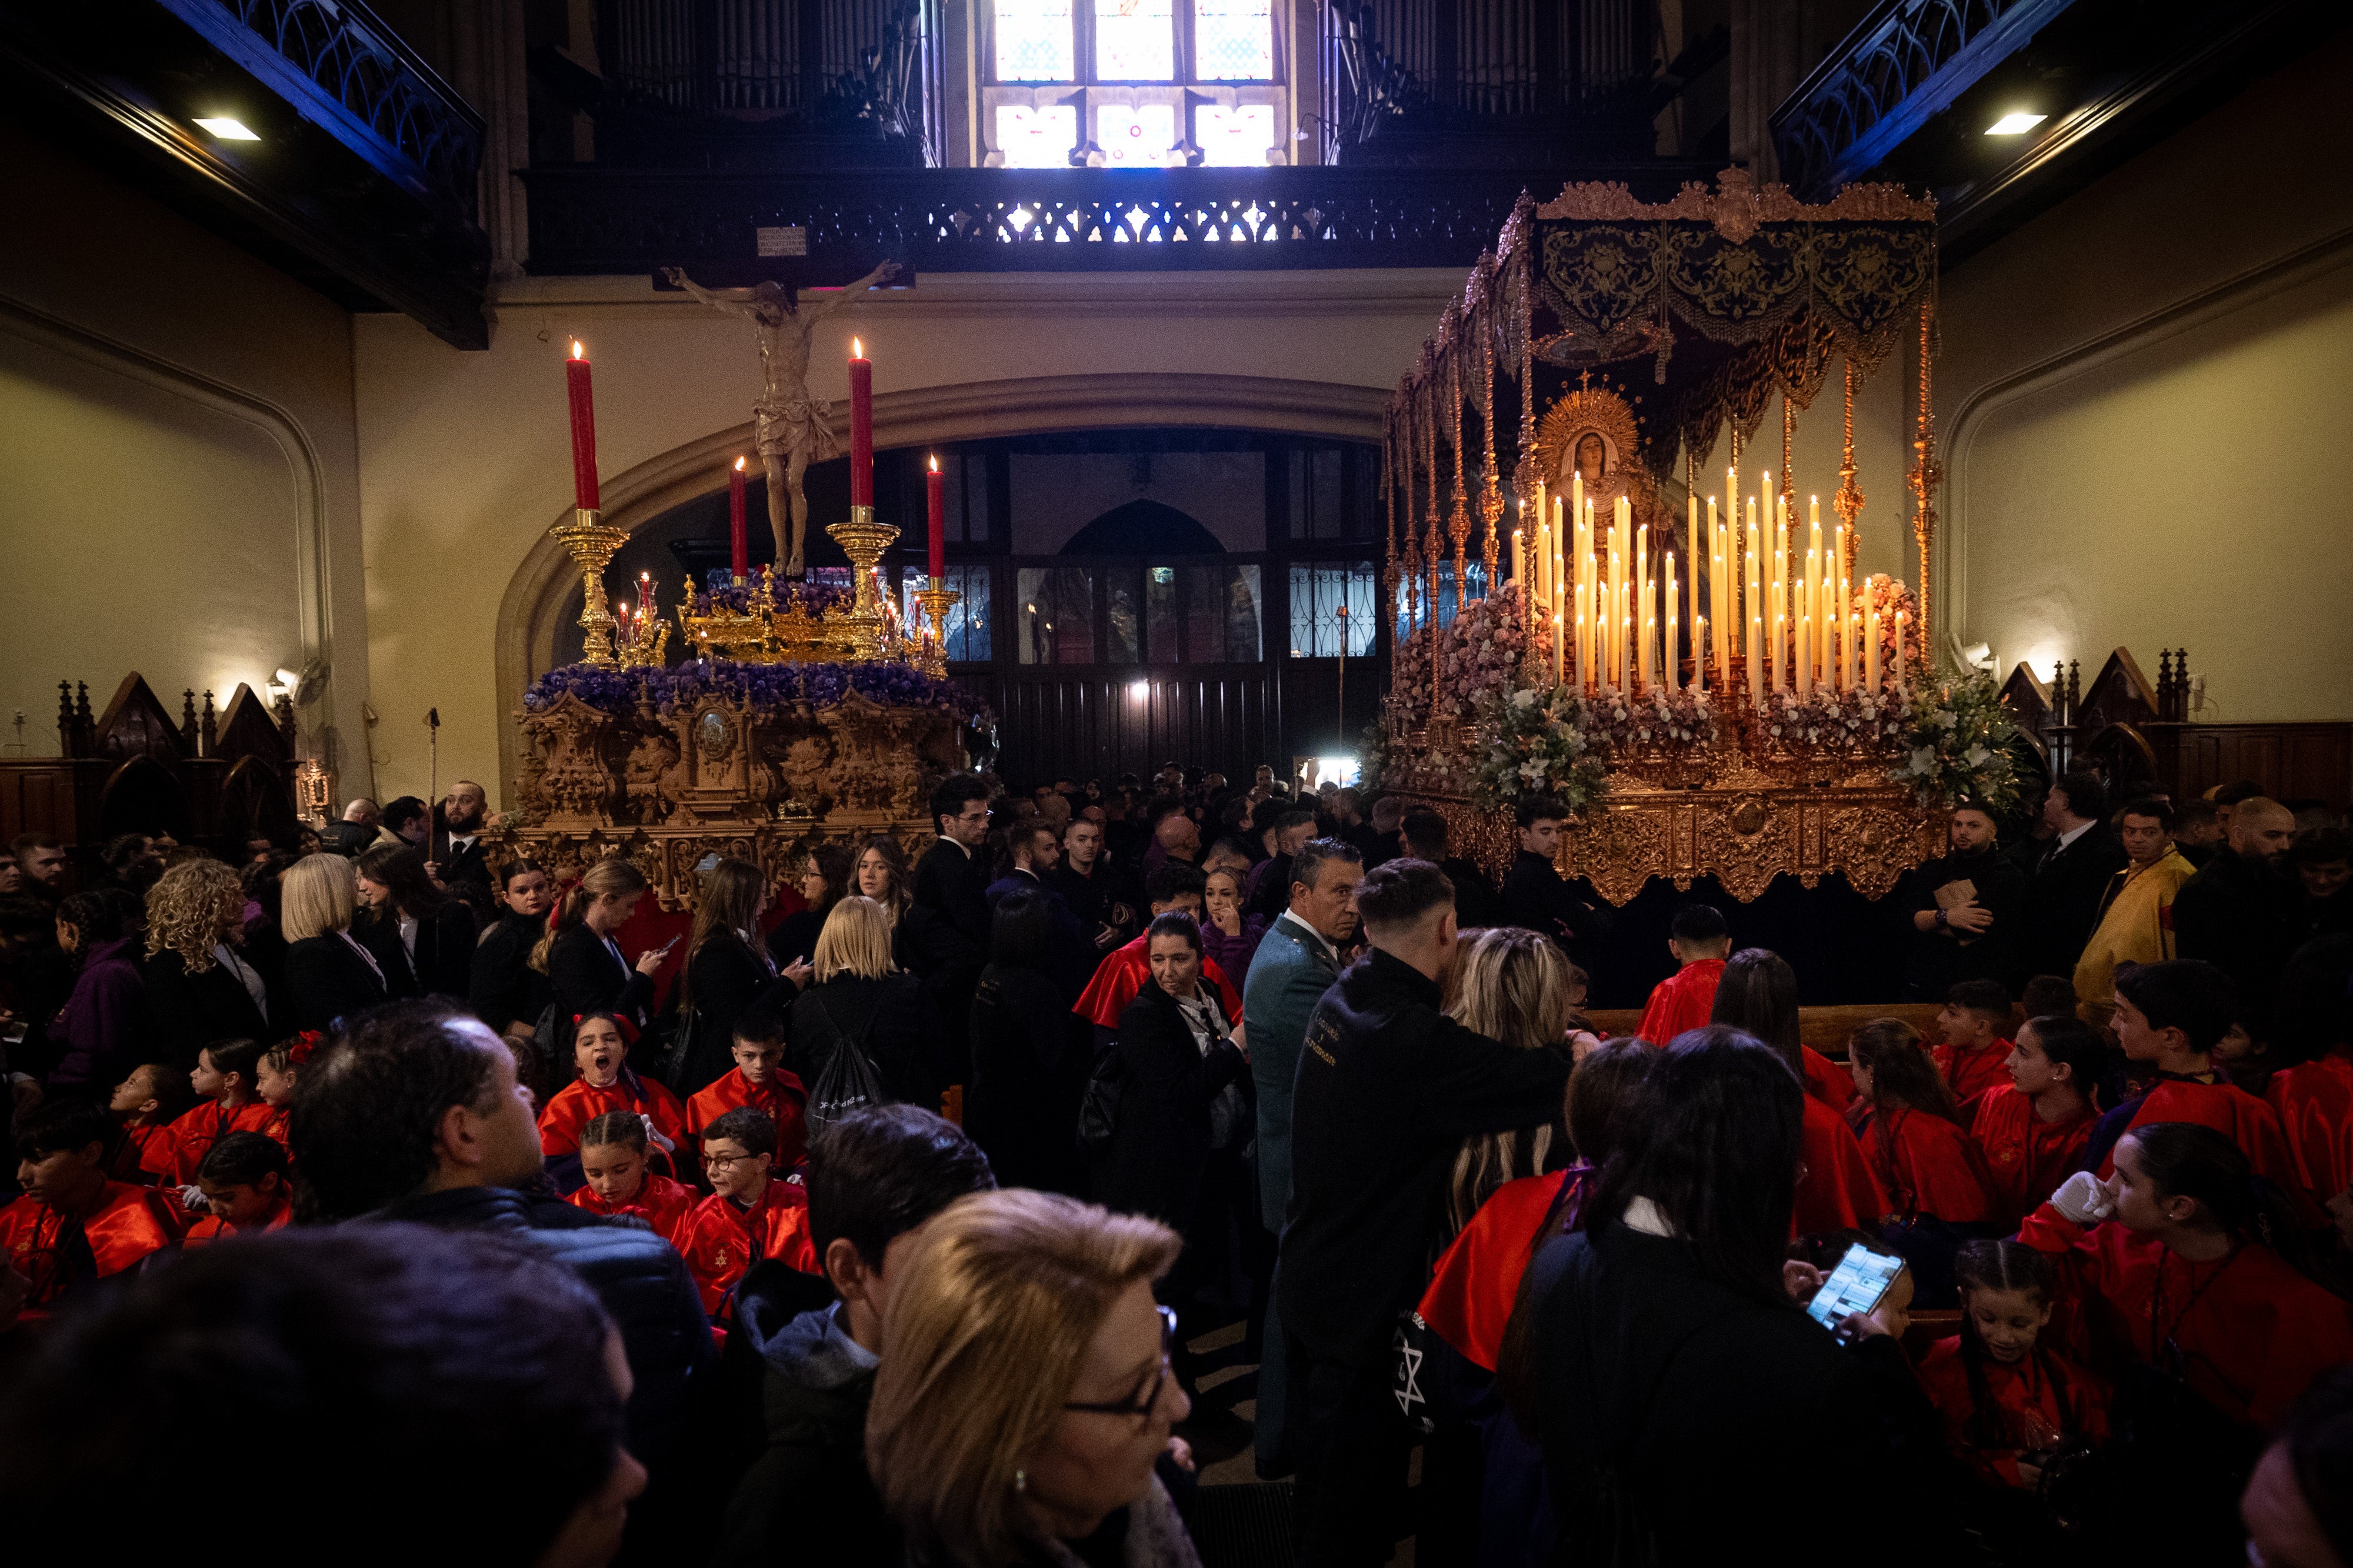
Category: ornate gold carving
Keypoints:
(1598, 412)
(1738, 205)
(1927, 475)
(1848, 502)
(591, 542)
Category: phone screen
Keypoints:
(1858, 1282)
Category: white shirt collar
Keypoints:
(2071, 835)
(1322, 942)
(1648, 1218)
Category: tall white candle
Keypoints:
(1756, 629)
(1902, 679)
(1870, 639)
(1699, 665)
(1670, 663)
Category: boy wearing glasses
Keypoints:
(749, 1214)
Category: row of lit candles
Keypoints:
(1597, 590)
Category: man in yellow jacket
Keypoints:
(2136, 924)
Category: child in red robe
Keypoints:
(1912, 1131)
(758, 1080)
(749, 1216)
(2162, 1265)
(2169, 1016)
(247, 1184)
(222, 1079)
(2006, 1396)
(1685, 999)
(72, 1225)
(147, 1102)
(600, 1053)
(273, 1077)
(2032, 1131)
(1974, 1022)
(2311, 1088)
(612, 1161)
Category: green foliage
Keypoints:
(1960, 741)
(1538, 743)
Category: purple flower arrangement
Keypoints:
(887, 683)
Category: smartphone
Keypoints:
(1858, 1282)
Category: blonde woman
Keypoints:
(200, 986)
(1026, 1390)
(862, 1001)
(329, 974)
(585, 968)
(1516, 988)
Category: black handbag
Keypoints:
(1099, 1106)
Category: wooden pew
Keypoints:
(1823, 1028)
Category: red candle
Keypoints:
(738, 550)
(584, 430)
(862, 426)
(935, 487)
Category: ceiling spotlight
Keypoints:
(225, 129)
(2017, 124)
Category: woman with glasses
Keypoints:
(1025, 1397)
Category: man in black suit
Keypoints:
(2072, 874)
(1097, 892)
(951, 879)
(1538, 897)
(1974, 930)
(2238, 912)
(1421, 835)
(464, 813)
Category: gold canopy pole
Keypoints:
(1848, 502)
(1925, 476)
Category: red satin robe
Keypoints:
(660, 1203)
(1837, 1191)
(719, 1239)
(280, 1115)
(196, 1132)
(1827, 1081)
(143, 1156)
(1970, 1073)
(2251, 1332)
(782, 1096)
(2026, 1157)
(1681, 1001)
(2313, 1102)
(128, 1223)
(2042, 1398)
(1927, 1167)
(210, 1230)
(576, 1104)
(1123, 971)
(1470, 1294)
(2239, 1116)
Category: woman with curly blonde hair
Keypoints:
(200, 986)
(1025, 1389)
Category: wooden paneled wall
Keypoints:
(1083, 726)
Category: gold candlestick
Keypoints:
(936, 603)
(592, 541)
(864, 540)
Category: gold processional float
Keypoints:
(803, 711)
(1709, 687)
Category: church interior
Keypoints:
(701, 428)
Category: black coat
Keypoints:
(1092, 895)
(192, 1011)
(890, 1017)
(953, 885)
(504, 988)
(1475, 900)
(443, 963)
(2063, 907)
(582, 976)
(1388, 1088)
(1719, 1413)
(795, 939)
(1160, 1139)
(1030, 1059)
(723, 978)
(2239, 915)
(1935, 962)
(926, 945)
(1538, 897)
(638, 1277)
(325, 979)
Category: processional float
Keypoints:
(1704, 680)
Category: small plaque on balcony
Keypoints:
(791, 241)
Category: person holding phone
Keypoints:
(585, 967)
(1687, 1408)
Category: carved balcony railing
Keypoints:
(1902, 64)
(1072, 220)
(343, 68)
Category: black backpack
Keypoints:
(850, 1080)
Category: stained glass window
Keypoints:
(967, 618)
(1233, 40)
(1135, 40)
(1143, 137)
(1235, 136)
(1037, 138)
(1034, 41)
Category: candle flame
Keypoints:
(739, 465)
(578, 352)
(857, 349)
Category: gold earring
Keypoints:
(1021, 1480)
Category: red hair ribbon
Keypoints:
(299, 1050)
(628, 1030)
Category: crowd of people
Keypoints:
(883, 1224)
